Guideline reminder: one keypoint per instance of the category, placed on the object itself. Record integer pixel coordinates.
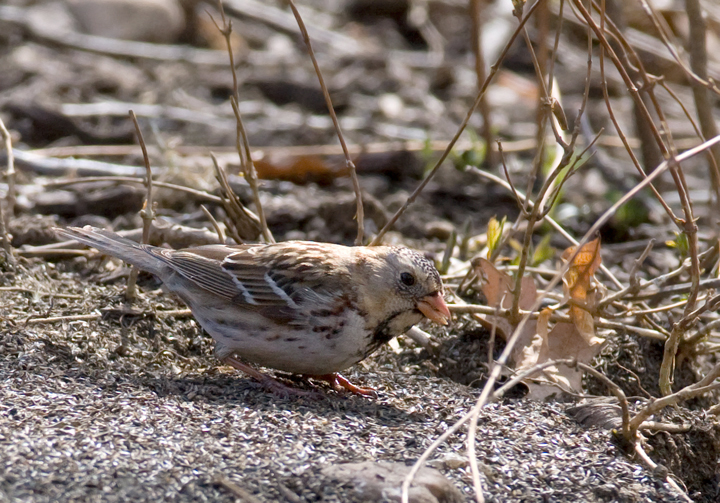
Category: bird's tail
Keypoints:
(143, 256)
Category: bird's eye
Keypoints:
(407, 279)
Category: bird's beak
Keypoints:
(433, 306)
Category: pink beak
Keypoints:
(433, 306)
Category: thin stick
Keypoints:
(520, 145)
(9, 212)
(472, 428)
(91, 317)
(615, 390)
(41, 294)
(600, 323)
(214, 223)
(405, 497)
(147, 214)
(559, 228)
(250, 172)
(637, 446)
(57, 319)
(359, 212)
(204, 196)
(237, 491)
(700, 387)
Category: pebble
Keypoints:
(159, 21)
(381, 481)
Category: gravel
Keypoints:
(134, 408)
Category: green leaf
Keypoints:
(494, 234)
(680, 243)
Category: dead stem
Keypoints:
(203, 196)
(558, 317)
(558, 228)
(703, 386)
(712, 155)
(242, 224)
(502, 360)
(476, 16)
(214, 223)
(615, 390)
(147, 213)
(90, 317)
(6, 213)
(653, 466)
(41, 294)
(600, 31)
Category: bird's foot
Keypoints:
(272, 385)
(340, 383)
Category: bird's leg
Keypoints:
(340, 383)
(272, 385)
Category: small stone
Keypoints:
(391, 105)
(439, 229)
(453, 461)
(383, 481)
(159, 21)
(436, 463)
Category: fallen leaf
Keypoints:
(577, 283)
(531, 352)
(497, 287)
(495, 284)
(298, 169)
(562, 342)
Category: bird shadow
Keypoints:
(223, 390)
(398, 400)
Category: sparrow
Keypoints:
(300, 307)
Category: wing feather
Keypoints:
(207, 274)
(279, 282)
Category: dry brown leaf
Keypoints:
(538, 343)
(531, 352)
(299, 169)
(562, 342)
(577, 285)
(497, 287)
(495, 284)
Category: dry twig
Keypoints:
(147, 213)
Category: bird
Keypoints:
(301, 307)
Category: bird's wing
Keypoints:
(203, 270)
(241, 275)
(288, 280)
(283, 282)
